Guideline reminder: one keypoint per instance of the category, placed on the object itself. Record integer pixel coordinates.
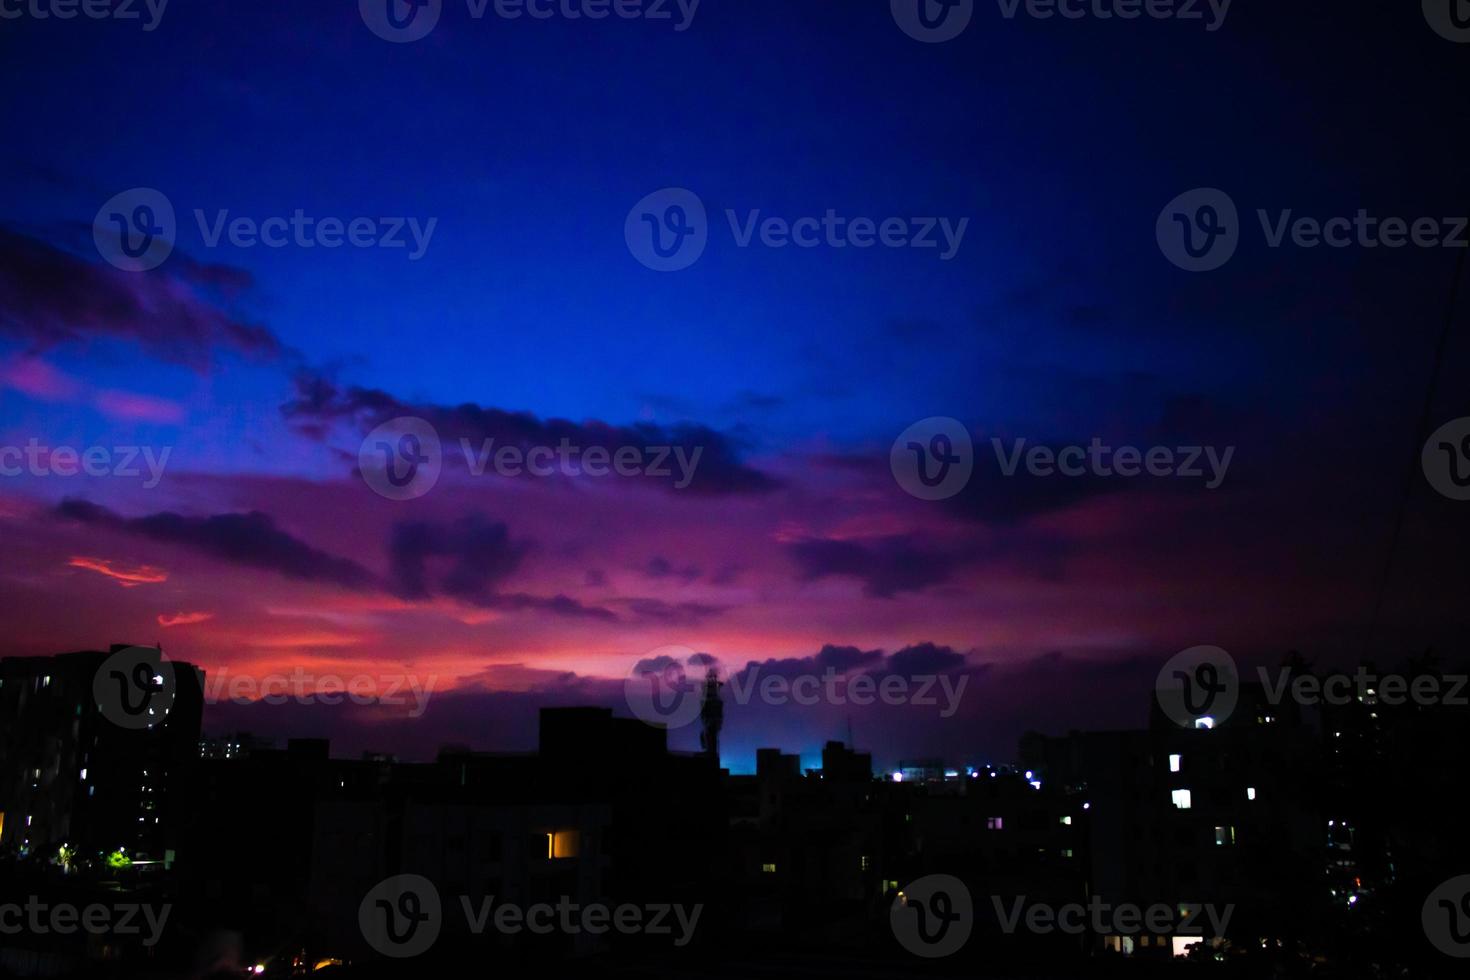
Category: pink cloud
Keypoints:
(128, 576)
(184, 618)
(34, 377)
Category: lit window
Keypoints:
(1250, 792)
(769, 869)
(994, 823)
(1066, 821)
(1224, 836)
(865, 863)
(1205, 722)
(1181, 798)
(561, 844)
(1066, 852)
(1174, 762)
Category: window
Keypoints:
(1066, 821)
(1204, 722)
(1224, 836)
(768, 868)
(994, 823)
(562, 844)
(864, 863)
(1181, 798)
(1250, 792)
(1175, 761)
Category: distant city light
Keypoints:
(898, 777)
(1204, 722)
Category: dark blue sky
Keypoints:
(530, 140)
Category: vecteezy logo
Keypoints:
(400, 21)
(1449, 18)
(933, 21)
(1446, 917)
(933, 458)
(660, 691)
(135, 230)
(401, 916)
(1446, 459)
(401, 459)
(1198, 687)
(1199, 230)
(933, 916)
(134, 687)
(667, 230)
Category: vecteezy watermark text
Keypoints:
(1098, 459)
(1104, 918)
(137, 230)
(403, 458)
(39, 918)
(669, 230)
(306, 687)
(568, 459)
(660, 691)
(90, 9)
(402, 916)
(1200, 687)
(1199, 230)
(304, 231)
(934, 458)
(403, 21)
(936, 21)
(35, 459)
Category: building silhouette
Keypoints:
(1321, 827)
(70, 775)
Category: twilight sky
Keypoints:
(528, 319)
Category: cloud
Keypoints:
(720, 470)
(184, 618)
(678, 614)
(886, 566)
(925, 658)
(128, 576)
(465, 560)
(911, 661)
(479, 556)
(50, 297)
(251, 539)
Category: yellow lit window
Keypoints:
(562, 844)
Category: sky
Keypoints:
(525, 154)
